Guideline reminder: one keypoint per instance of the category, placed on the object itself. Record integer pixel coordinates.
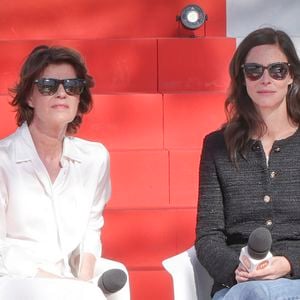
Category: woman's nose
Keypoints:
(265, 78)
(61, 91)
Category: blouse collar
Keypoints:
(25, 149)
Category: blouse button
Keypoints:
(269, 222)
(267, 198)
(277, 149)
(273, 174)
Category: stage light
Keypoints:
(192, 17)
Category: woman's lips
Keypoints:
(60, 106)
(265, 92)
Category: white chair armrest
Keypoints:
(191, 281)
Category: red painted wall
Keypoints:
(94, 19)
(156, 96)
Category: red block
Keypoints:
(189, 117)
(184, 178)
(144, 238)
(127, 65)
(12, 57)
(194, 64)
(139, 179)
(7, 117)
(128, 121)
(116, 65)
(150, 285)
(94, 19)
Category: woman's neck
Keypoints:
(49, 146)
(276, 129)
(278, 126)
(278, 123)
(48, 142)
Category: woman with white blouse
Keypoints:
(53, 187)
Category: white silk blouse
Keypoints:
(43, 224)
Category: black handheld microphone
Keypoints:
(256, 255)
(112, 281)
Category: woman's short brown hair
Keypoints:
(36, 62)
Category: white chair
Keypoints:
(191, 281)
(103, 265)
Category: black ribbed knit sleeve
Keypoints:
(211, 247)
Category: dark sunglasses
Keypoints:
(277, 71)
(49, 86)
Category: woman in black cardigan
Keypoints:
(250, 173)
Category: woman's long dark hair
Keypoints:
(243, 120)
(36, 62)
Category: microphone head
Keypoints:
(112, 281)
(259, 243)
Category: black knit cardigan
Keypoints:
(234, 200)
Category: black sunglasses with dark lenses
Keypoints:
(49, 86)
(277, 71)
